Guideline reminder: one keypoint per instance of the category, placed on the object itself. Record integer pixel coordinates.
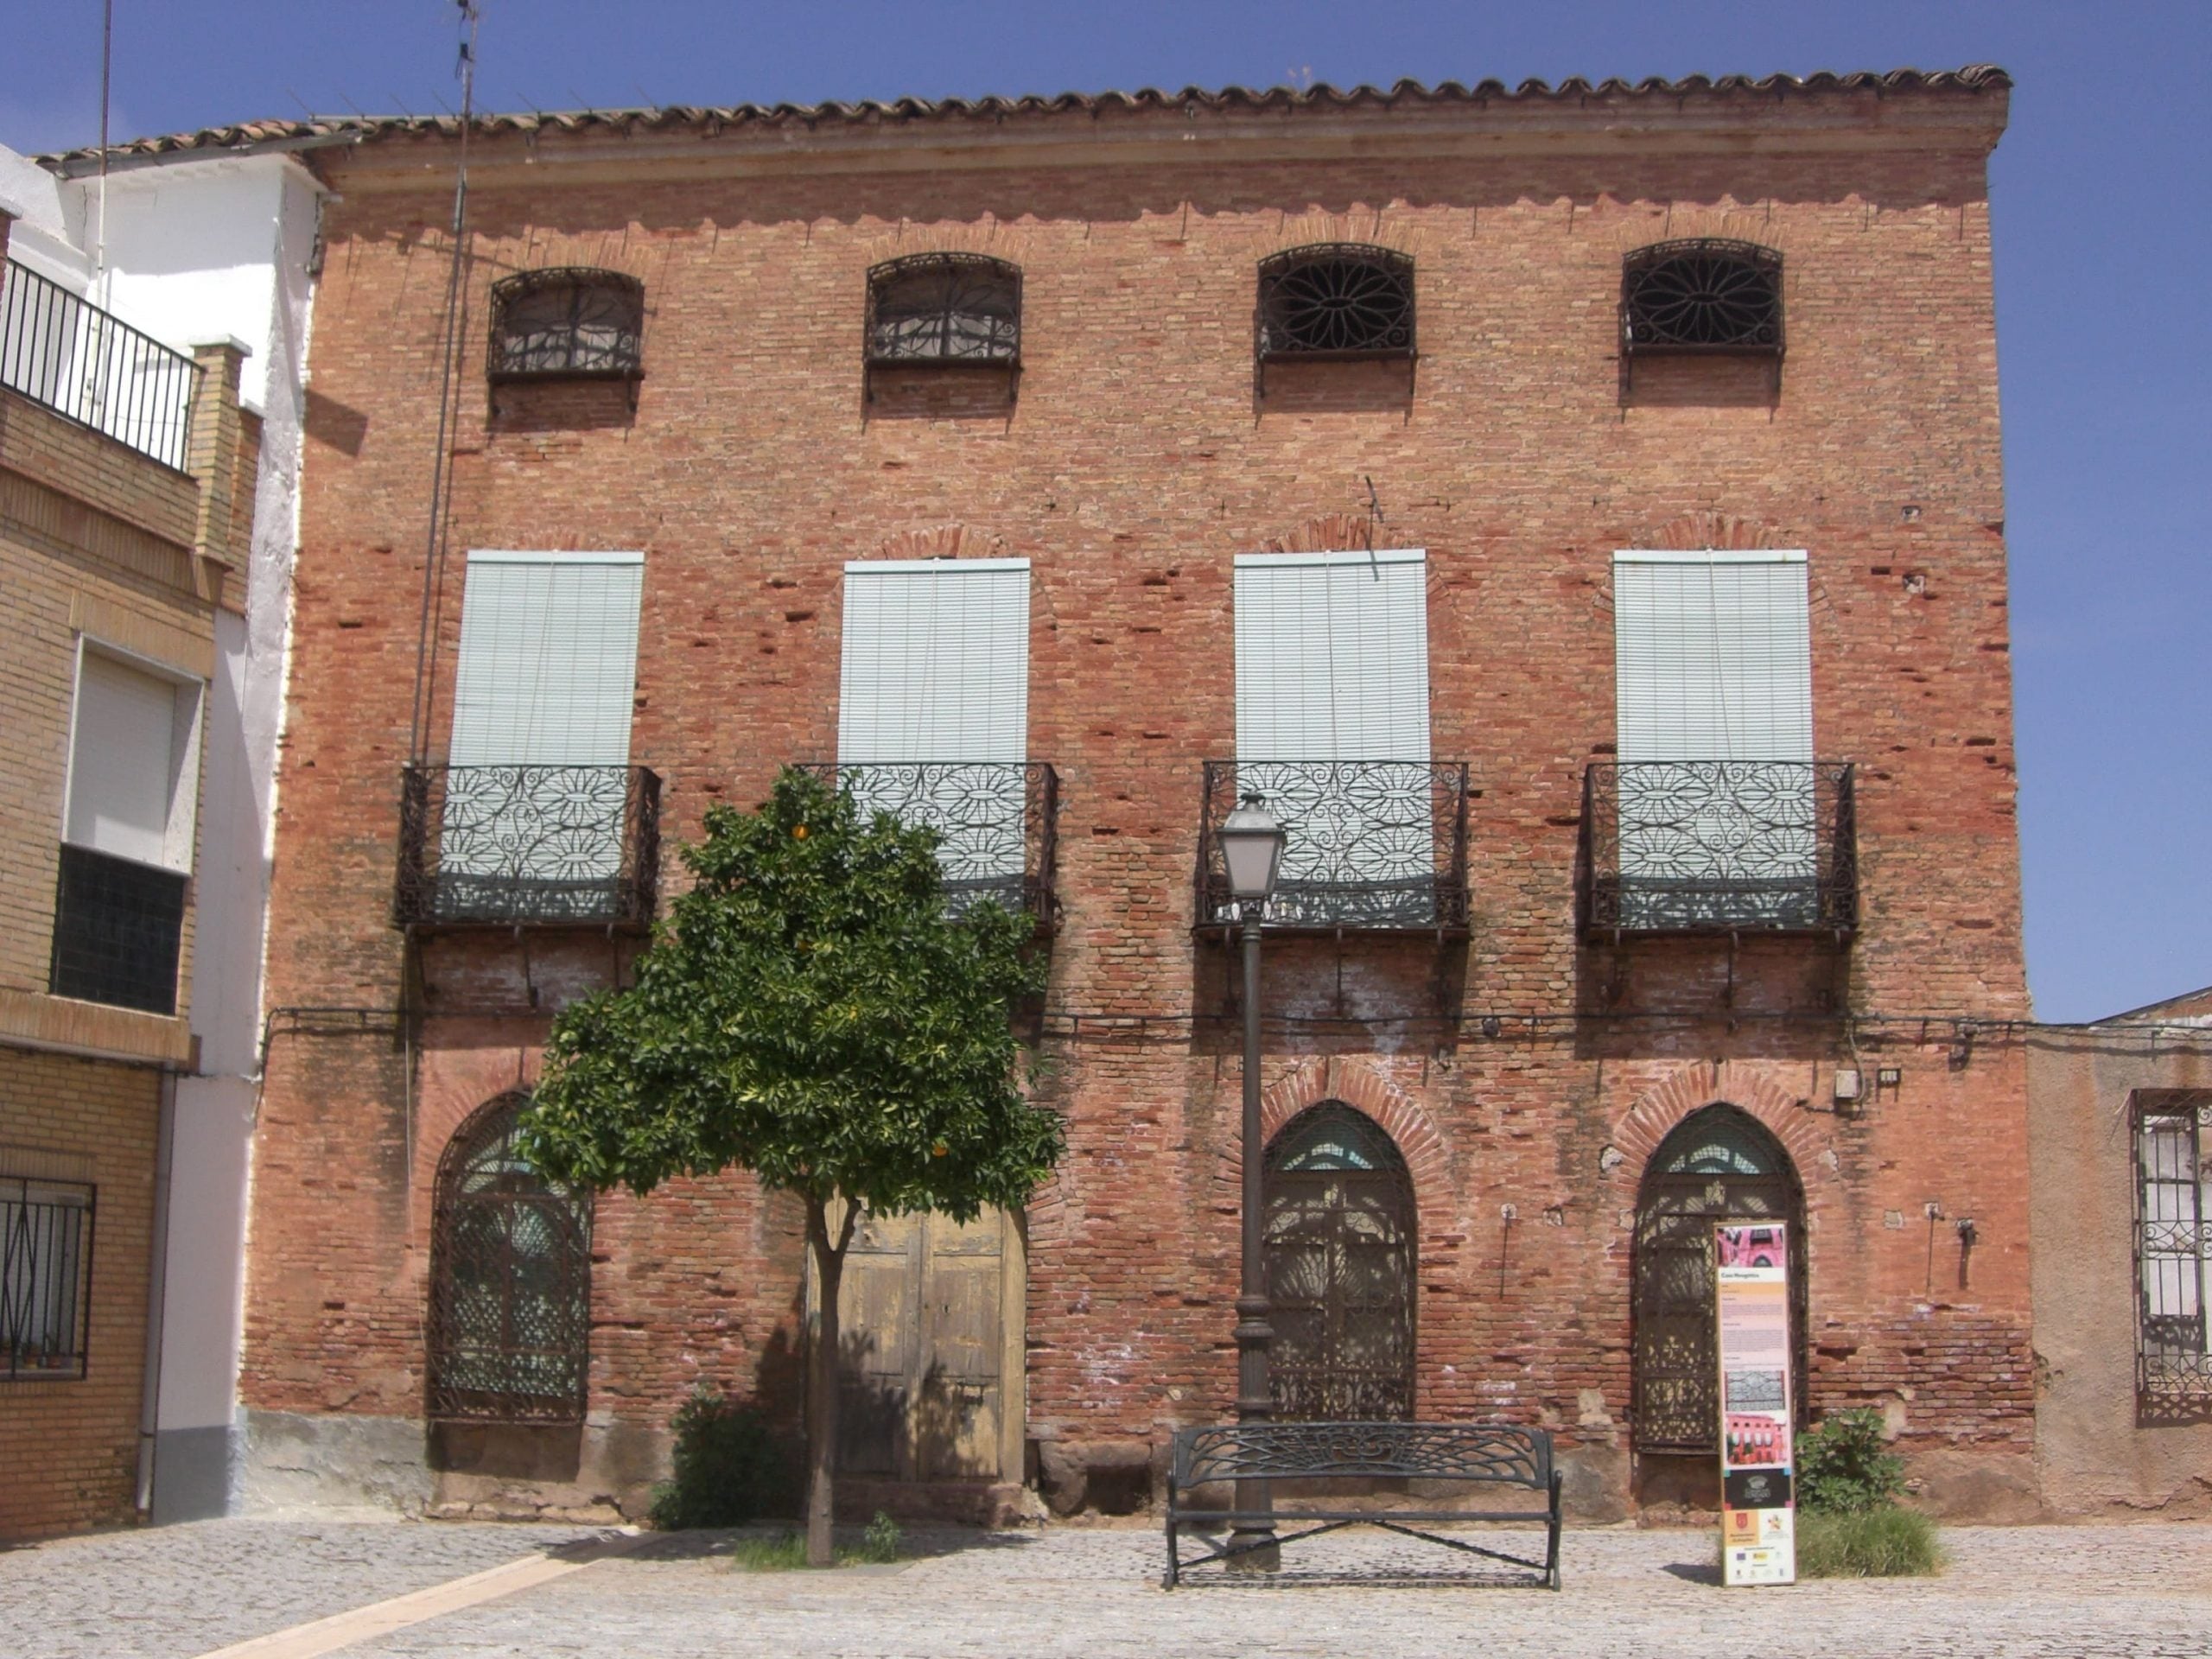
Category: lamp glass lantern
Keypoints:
(1251, 849)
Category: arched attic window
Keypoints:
(568, 322)
(510, 1282)
(944, 310)
(1701, 296)
(1334, 302)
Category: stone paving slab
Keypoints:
(2046, 1593)
(171, 1593)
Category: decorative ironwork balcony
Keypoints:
(1333, 302)
(64, 352)
(1375, 846)
(1701, 296)
(117, 929)
(568, 322)
(527, 844)
(997, 822)
(1719, 847)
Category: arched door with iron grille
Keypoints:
(510, 1282)
(1339, 1254)
(1719, 1164)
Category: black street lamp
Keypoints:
(1251, 849)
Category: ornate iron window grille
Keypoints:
(118, 928)
(46, 1278)
(1718, 1165)
(944, 310)
(1333, 301)
(1719, 847)
(996, 821)
(1339, 1241)
(86, 366)
(1375, 845)
(568, 322)
(503, 845)
(510, 1317)
(1702, 297)
(2173, 1256)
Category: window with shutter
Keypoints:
(1716, 781)
(127, 834)
(933, 707)
(1332, 728)
(537, 775)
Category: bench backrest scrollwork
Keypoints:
(1504, 1454)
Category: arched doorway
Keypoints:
(1339, 1253)
(510, 1282)
(1719, 1164)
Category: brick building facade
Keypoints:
(1234, 422)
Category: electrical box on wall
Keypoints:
(1847, 1084)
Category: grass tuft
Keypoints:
(1885, 1544)
(785, 1551)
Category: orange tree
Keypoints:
(809, 1012)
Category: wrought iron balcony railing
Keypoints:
(87, 366)
(1719, 847)
(1373, 845)
(997, 821)
(521, 844)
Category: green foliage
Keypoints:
(1881, 1543)
(730, 1467)
(880, 1542)
(778, 1552)
(810, 1012)
(785, 1551)
(1844, 1467)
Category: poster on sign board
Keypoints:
(1758, 1542)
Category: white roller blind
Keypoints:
(936, 661)
(549, 659)
(124, 773)
(1712, 656)
(1332, 655)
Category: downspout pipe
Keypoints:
(157, 1273)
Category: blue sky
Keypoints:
(2102, 194)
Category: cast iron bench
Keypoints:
(1493, 1454)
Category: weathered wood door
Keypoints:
(931, 1316)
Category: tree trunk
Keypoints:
(821, 1377)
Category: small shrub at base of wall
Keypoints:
(1844, 1466)
(730, 1467)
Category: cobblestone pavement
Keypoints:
(2051, 1592)
(174, 1592)
(2031, 1593)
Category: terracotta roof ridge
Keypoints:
(316, 131)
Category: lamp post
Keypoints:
(1251, 851)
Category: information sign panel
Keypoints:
(1751, 1303)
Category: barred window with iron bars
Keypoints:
(46, 1251)
(2173, 1254)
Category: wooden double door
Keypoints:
(930, 1375)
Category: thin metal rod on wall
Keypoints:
(441, 486)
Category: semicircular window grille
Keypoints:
(1706, 294)
(944, 308)
(568, 320)
(1335, 300)
(510, 1282)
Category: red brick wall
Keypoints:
(1136, 462)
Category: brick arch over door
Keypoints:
(1366, 1089)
